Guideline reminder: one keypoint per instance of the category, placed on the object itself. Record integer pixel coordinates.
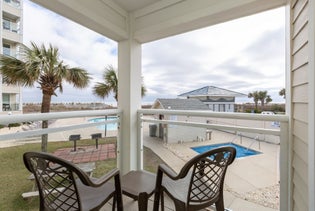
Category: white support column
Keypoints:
(311, 106)
(140, 143)
(129, 100)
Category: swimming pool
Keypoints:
(109, 126)
(240, 150)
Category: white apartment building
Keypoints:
(11, 38)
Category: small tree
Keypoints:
(255, 96)
(264, 98)
(261, 96)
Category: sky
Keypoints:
(243, 55)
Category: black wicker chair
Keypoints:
(63, 186)
(199, 183)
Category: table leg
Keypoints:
(143, 202)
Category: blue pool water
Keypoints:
(109, 126)
(240, 150)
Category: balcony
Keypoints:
(13, 3)
(10, 106)
(224, 126)
(11, 26)
(12, 9)
(10, 52)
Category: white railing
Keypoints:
(283, 133)
(22, 118)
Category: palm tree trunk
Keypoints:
(45, 109)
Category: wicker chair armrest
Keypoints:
(96, 182)
(168, 171)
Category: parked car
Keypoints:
(274, 124)
(268, 113)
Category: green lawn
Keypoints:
(14, 175)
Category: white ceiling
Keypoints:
(149, 20)
(132, 5)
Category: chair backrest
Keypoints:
(55, 179)
(207, 174)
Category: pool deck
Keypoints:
(250, 182)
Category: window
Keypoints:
(6, 49)
(5, 98)
(6, 24)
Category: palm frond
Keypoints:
(79, 77)
(101, 90)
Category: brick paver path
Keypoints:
(85, 154)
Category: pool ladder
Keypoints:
(250, 145)
(235, 137)
(255, 139)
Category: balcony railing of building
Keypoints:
(10, 52)
(14, 3)
(11, 26)
(10, 106)
(152, 116)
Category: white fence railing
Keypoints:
(24, 118)
(143, 114)
(283, 133)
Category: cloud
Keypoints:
(243, 55)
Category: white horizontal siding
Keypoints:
(299, 112)
(299, 76)
(300, 57)
(300, 130)
(298, 202)
(301, 150)
(301, 188)
(299, 96)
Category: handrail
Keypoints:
(17, 118)
(224, 115)
(216, 126)
(247, 116)
(7, 119)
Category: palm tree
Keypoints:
(110, 84)
(264, 98)
(41, 65)
(282, 93)
(255, 96)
